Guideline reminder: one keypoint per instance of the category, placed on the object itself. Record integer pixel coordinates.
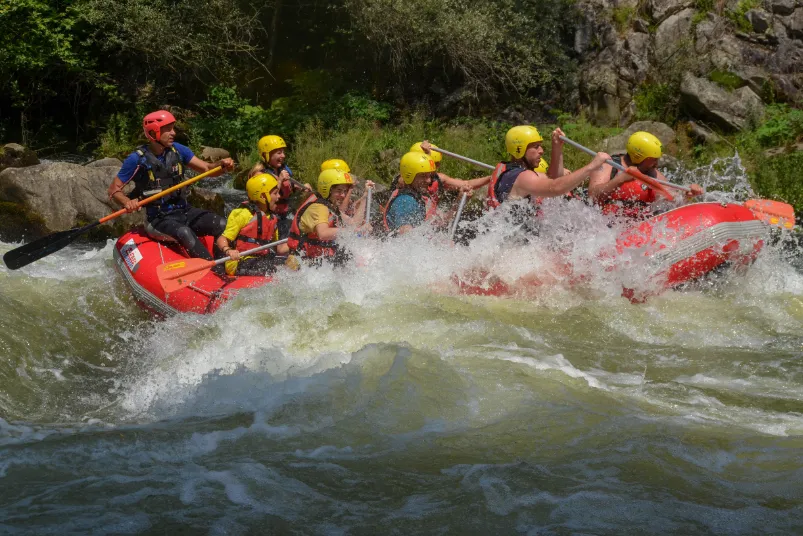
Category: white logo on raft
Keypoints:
(130, 252)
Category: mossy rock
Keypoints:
(17, 223)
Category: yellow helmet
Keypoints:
(543, 166)
(414, 163)
(519, 138)
(434, 155)
(259, 185)
(643, 145)
(266, 144)
(335, 163)
(332, 177)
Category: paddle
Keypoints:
(28, 253)
(368, 205)
(463, 158)
(457, 216)
(176, 275)
(655, 184)
(772, 212)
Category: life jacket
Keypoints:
(435, 188)
(428, 204)
(310, 244)
(632, 198)
(156, 176)
(259, 231)
(285, 190)
(502, 180)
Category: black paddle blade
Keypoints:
(25, 255)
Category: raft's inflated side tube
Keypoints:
(136, 256)
(681, 245)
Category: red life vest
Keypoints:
(632, 198)
(257, 232)
(428, 202)
(311, 244)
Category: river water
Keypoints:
(376, 400)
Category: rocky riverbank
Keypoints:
(37, 198)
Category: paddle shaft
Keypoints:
(250, 251)
(161, 194)
(457, 215)
(464, 158)
(368, 205)
(620, 167)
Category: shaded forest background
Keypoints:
(360, 79)
(71, 70)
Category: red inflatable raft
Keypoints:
(681, 245)
(137, 256)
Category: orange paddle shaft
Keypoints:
(162, 193)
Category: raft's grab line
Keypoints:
(142, 295)
(706, 238)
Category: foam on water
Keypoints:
(321, 394)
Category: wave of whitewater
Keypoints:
(372, 397)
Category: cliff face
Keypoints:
(717, 61)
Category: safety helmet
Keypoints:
(414, 163)
(542, 167)
(266, 144)
(153, 122)
(332, 177)
(259, 185)
(335, 163)
(519, 138)
(641, 145)
(434, 155)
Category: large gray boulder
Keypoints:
(106, 162)
(783, 7)
(662, 131)
(794, 24)
(57, 196)
(213, 154)
(673, 33)
(15, 155)
(63, 195)
(661, 9)
(729, 110)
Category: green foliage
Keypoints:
(779, 178)
(490, 49)
(783, 125)
(621, 16)
(122, 134)
(726, 79)
(739, 15)
(373, 152)
(231, 121)
(657, 102)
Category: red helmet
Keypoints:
(153, 122)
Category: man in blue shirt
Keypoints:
(158, 165)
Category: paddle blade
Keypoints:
(772, 212)
(176, 275)
(33, 251)
(649, 181)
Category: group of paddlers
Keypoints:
(312, 229)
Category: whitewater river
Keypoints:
(376, 400)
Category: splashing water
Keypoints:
(359, 399)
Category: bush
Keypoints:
(657, 102)
(779, 178)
